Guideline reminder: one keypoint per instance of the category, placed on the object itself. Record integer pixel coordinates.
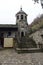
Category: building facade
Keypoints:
(10, 33)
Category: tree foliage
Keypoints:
(37, 23)
(37, 1)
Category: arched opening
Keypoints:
(22, 34)
(21, 17)
(17, 17)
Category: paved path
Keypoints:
(10, 57)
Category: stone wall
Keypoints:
(38, 37)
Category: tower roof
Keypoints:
(21, 12)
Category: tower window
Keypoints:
(21, 16)
(25, 17)
(17, 17)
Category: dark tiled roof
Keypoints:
(8, 25)
(21, 12)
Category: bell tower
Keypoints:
(21, 22)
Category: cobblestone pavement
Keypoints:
(10, 57)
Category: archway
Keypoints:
(22, 34)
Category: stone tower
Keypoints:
(21, 22)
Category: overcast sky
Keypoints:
(8, 9)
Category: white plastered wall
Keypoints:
(8, 42)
